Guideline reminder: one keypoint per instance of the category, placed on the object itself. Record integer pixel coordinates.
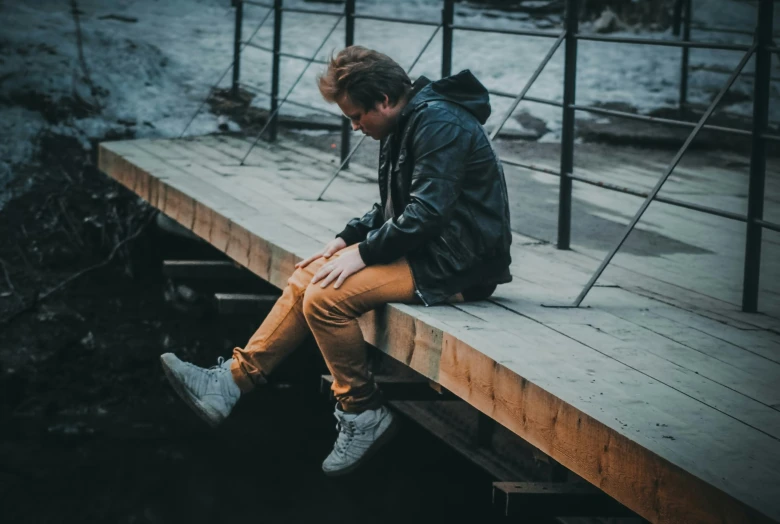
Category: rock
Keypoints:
(531, 128)
(71, 430)
(535, 127)
(608, 22)
(88, 341)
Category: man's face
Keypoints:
(377, 122)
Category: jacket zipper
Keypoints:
(417, 292)
(414, 283)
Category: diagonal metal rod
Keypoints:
(289, 92)
(666, 174)
(224, 73)
(424, 48)
(528, 84)
(343, 163)
(362, 138)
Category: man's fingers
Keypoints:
(322, 273)
(342, 277)
(304, 263)
(330, 278)
(319, 275)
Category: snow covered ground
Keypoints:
(644, 77)
(148, 64)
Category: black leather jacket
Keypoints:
(450, 213)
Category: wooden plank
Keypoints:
(244, 304)
(395, 388)
(457, 436)
(758, 341)
(536, 278)
(324, 161)
(203, 269)
(753, 350)
(633, 280)
(663, 292)
(482, 377)
(719, 273)
(706, 380)
(227, 183)
(525, 267)
(725, 235)
(169, 154)
(273, 260)
(537, 271)
(512, 422)
(327, 216)
(503, 374)
(554, 499)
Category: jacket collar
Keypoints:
(411, 105)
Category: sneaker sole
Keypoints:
(383, 439)
(200, 409)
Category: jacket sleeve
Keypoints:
(357, 228)
(440, 149)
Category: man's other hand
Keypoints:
(340, 269)
(330, 249)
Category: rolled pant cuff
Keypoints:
(244, 382)
(358, 404)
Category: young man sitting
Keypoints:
(439, 233)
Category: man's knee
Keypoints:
(300, 279)
(317, 302)
(329, 303)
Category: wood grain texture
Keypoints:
(590, 398)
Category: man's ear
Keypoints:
(386, 103)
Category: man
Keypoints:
(440, 233)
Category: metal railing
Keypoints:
(762, 47)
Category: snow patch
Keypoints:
(148, 77)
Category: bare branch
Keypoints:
(40, 297)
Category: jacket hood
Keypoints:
(463, 89)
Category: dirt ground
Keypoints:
(91, 432)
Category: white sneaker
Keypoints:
(360, 436)
(211, 392)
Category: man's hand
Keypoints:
(340, 269)
(331, 248)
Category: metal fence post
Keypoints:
(676, 16)
(758, 157)
(447, 19)
(567, 132)
(239, 5)
(277, 48)
(346, 125)
(686, 53)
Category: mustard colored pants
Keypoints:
(331, 316)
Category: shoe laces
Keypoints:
(216, 370)
(220, 364)
(347, 430)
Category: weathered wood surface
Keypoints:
(714, 245)
(664, 397)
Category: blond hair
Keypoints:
(365, 76)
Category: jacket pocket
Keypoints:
(454, 250)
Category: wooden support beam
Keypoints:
(205, 269)
(243, 304)
(167, 224)
(554, 499)
(400, 388)
(485, 429)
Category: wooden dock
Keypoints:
(664, 397)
